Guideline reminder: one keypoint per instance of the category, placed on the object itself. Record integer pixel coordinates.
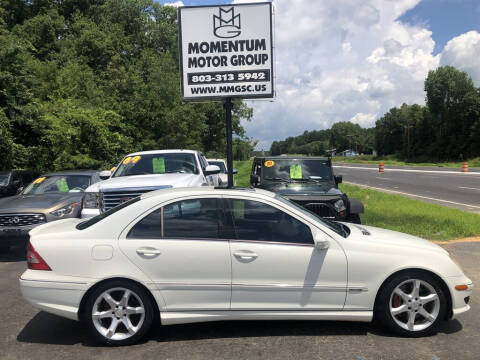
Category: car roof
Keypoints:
(72, 172)
(293, 157)
(205, 190)
(163, 152)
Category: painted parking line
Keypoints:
(413, 195)
(468, 188)
(410, 170)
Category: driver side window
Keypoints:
(257, 221)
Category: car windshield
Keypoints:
(220, 164)
(150, 164)
(58, 184)
(297, 169)
(339, 228)
(4, 179)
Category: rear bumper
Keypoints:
(60, 297)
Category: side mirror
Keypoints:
(321, 240)
(234, 171)
(104, 175)
(254, 179)
(211, 170)
(322, 244)
(19, 190)
(338, 179)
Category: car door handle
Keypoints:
(245, 255)
(150, 252)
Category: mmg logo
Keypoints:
(226, 25)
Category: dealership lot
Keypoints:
(27, 333)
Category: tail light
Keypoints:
(34, 260)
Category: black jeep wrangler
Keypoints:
(308, 181)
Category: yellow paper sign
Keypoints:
(269, 163)
(127, 160)
(136, 159)
(39, 180)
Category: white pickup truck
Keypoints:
(146, 171)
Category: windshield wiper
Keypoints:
(276, 179)
(137, 173)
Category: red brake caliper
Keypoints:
(396, 300)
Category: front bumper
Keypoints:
(89, 213)
(15, 236)
(460, 298)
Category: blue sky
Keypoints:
(445, 18)
(351, 60)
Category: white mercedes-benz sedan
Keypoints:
(203, 254)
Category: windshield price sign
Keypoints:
(226, 51)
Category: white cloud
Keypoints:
(463, 52)
(340, 60)
(175, 4)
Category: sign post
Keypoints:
(226, 52)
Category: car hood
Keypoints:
(389, 237)
(303, 189)
(40, 203)
(147, 181)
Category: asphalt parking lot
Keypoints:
(26, 333)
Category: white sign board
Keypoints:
(226, 51)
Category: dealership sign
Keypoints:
(226, 51)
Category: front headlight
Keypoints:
(339, 206)
(91, 200)
(66, 210)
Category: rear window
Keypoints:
(96, 219)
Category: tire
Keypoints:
(354, 219)
(427, 307)
(113, 313)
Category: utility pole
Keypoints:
(408, 126)
(228, 117)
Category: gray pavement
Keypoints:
(444, 186)
(26, 333)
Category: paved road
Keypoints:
(444, 186)
(26, 333)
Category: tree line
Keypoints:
(446, 128)
(83, 82)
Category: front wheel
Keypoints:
(118, 313)
(412, 304)
(354, 219)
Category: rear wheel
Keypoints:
(412, 304)
(118, 313)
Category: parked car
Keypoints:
(308, 181)
(205, 254)
(13, 181)
(146, 171)
(223, 175)
(50, 197)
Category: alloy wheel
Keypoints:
(118, 313)
(414, 305)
